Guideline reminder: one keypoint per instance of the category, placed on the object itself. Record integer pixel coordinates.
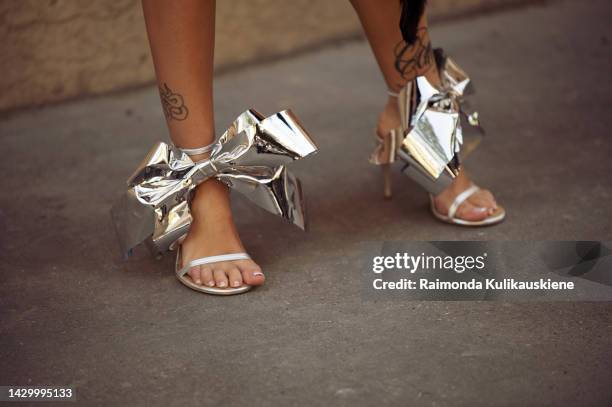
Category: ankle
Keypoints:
(433, 75)
(211, 198)
(389, 118)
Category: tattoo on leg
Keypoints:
(415, 59)
(173, 104)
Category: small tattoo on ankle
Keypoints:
(415, 59)
(173, 104)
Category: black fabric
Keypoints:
(412, 10)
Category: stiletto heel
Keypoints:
(387, 190)
(384, 155)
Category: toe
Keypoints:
(206, 274)
(467, 211)
(194, 274)
(220, 278)
(483, 198)
(251, 273)
(235, 277)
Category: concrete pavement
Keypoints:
(72, 312)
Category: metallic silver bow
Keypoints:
(250, 158)
(435, 121)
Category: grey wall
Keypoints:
(53, 50)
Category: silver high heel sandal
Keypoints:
(438, 129)
(250, 158)
(182, 271)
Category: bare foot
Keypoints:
(477, 207)
(213, 233)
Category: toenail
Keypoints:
(257, 274)
(236, 283)
(198, 282)
(480, 210)
(222, 284)
(211, 283)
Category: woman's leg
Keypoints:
(400, 63)
(182, 37)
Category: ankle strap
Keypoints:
(196, 151)
(392, 94)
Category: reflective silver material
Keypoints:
(250, 158)
(436, 125)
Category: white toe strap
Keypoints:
(460, 199)
(212, 259)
